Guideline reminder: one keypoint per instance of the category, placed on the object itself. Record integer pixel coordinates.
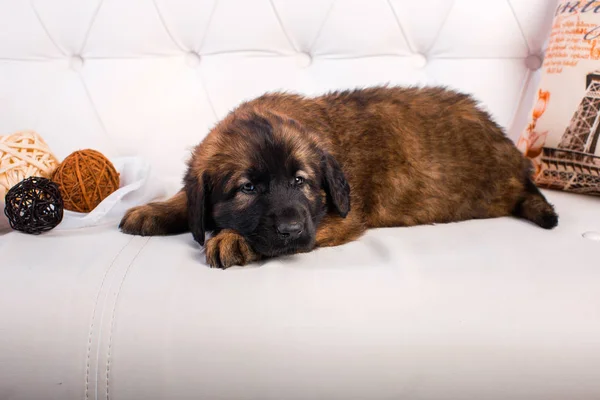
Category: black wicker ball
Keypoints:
(34, 205)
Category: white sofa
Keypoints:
(494, 309)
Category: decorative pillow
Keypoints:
(562, 137)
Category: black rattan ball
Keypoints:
(34, 205)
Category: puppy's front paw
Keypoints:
(228, 248)
(142, 220)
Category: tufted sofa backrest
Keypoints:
(151, 77)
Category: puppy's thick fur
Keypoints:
(284, 173)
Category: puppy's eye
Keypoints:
(248, 188)
(299, 181)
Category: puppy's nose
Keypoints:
(290, 229)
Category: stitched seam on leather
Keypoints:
(442, 25)
(208, 23)
(166, 28)
(114, 312)
(208, 98)
(320, 30)
(522, 93)
(93, 104)
(91, 329)
(400, 27)
(285, 32)
(523, 35)
(89, 30)
(45, 28)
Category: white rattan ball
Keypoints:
(24, 154)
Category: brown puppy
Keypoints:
(284, 173)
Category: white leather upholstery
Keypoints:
(150, 77)
(495, 309)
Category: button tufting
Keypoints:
(418, 60)
(592, 235)
(533, 62)
(76, 63)
(303, 60)
(192, 59)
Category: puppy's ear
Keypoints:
(335, 185)
(197, 191)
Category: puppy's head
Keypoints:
(266, 177)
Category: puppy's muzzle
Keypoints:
(289, 223)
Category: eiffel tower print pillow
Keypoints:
(561, 138)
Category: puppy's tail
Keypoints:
(534, 207)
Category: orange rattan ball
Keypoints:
(85, 178)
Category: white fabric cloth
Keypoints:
(138, 186)
(488, 309)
